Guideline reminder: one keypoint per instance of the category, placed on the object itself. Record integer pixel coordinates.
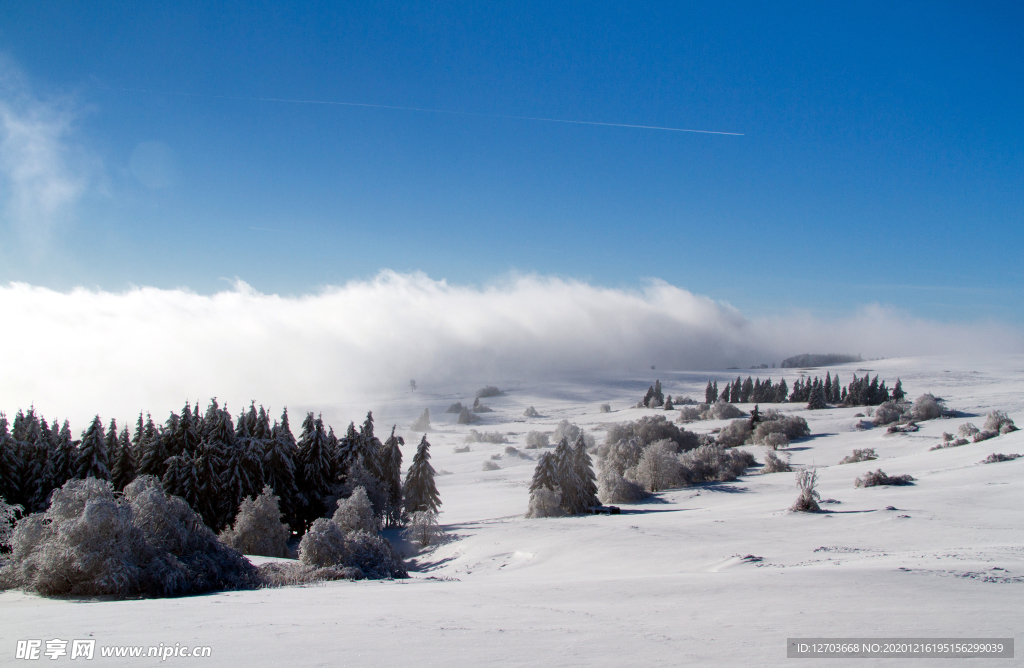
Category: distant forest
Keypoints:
(809, 359)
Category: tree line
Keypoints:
(815, 392)
(214, 462)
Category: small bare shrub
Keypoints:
(950, 444)
(999, 421)
(545, 503)
(423, 528)
(999, 457)
(776, 441)
(531, 412)
(461, 450)
(967, 430)
(536, 439)
(807, 500)
(865, 455)
(947, 437)
(876, 478)
(489, 465)
(775, 464)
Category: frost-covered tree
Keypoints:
(424, 529)
(280, 468)
(419, 491)
(316, 466)
(710, 394)
(92, 454)
(10, 463)
(545, 474)
(422, 423)
(816, 401)
(658, 467)
(257, 528)
(356, 513)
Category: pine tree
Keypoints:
(710, 394)
(279, 467)
(123, 470)
(828, 386)
(92, 454)
(658, 396)
(10, 464)
(782, 393)
(211, 497)
(584, 472)
(65, 462)
(545, 474)
(816, 401)
(153, 454)
(391, 468)
(316, 468)
(370, 447)
(714, 393)
(897, 392)
(746, 390)
(420, 492)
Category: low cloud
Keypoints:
(75, 353)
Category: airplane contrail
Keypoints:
(432, 111)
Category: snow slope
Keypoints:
(666, 583)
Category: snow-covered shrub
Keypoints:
(8, 514)
(571, 432)
(457, 407)
(712, 463)
(356, 513)
(91, 542)
(947, 437)
(258, 529)
(774, 422)
(490, 466)
(649, 429)
(458, 450)
(999, 421)
(618, 457)
(867, 454)
(995, 458)
(488, 391)
(373, 556)
(776, 440)
(658, 467)
(545, 502)
(422, 423)
(323, 544)
(286, 574)
(735, 433)
(721, 410)
(531, 412)
(423, 528)
(984, 435)
(465, 417)
(950, 444)
(775, 464)
(926, 407)
(485, 437)
(889, 412)
(536, 439)
(689, 414)
(606, 408)
(876, 478)
(806, 483)
(967, 430)
(613, 488)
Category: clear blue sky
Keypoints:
(881, 159)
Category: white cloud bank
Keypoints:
(80, 352)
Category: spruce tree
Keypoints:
(92, 454)
(659, 397)
(545, 474)
(584, 472)
(65, 462)
(391, 468)
(897, 392)
(316, 469)
(816, 401)
(280, 467)
(419, 491)
(710, 394)
(746, 390)
(153, 454)
(123, 470)
(10, 463)
(782, 393)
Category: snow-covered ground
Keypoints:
(663, 584)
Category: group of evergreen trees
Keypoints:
(748, 391)
(214, 462)
(567, 473)
(814, 391)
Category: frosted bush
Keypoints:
(649, 429)
(876, 478)
(606, 408)
(91, 542)
(258, 529)
(536, 439)
(356, 513)
(489, 391)
(807, 500)
(689, 414)
(776, 440)
(490, 466)
(285, 574)
(889, 412)
(323, 544)
(423, 528)
(613, 488)
(999, 421)
(735, 433)
(950, 444)
(721, 410)
(457, 407)
(867, 454)
(464, 448)
(995, 458)
(620, 456)
(8, 513)
(984, 435)
(658, 467)
(926, 407)
(947, 437)
(422, 423)
(465, 417)
(571, 432)
(531, 412)
(775, 464)
(967, 430)
(545, 502)
(485, 437)
(373, 556)
(712, 463)
(773, 422)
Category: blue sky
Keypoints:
(881, 159)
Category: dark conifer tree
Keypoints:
(714, 393)
(65, 454)
(10, 464)
(746, 390)
(419, 491)
(782, 393)
(897, 392)
(316, 467)
(710, 394)
(816, 401)
(391, 467)
(92, 454)
(279, 466)
(583, 469)
(122, 470)
(546, 472)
